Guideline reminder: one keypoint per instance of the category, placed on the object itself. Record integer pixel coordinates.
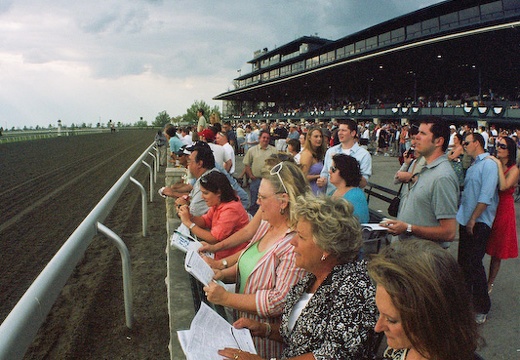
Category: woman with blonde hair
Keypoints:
(266, 269)
(331, 312)
(312, 156)
(424, 309)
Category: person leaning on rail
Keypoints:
(225, 215)
(331, 312)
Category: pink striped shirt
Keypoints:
(271, 279)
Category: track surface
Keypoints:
(47, 187)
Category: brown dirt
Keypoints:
(50, 186)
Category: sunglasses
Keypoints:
(333, 169)
(502, 146)
(466, 143)
(276, 171)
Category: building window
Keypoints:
(397, 35)
(430, 26)
(469, 16)
(384, 39)
(413, 31)
(449, 21)
(360, 46)
(371, 42)
(491, 11)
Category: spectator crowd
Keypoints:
(287, 231)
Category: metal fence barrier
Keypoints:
(20, 327)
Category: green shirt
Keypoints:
(247, 263)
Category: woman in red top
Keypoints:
(225, 216)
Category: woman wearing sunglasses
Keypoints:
(266, 269)
(331, 312)
(345, 175)
(503, 242)
(225, 216)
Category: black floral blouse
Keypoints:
(338, 321)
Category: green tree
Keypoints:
(141, 123)
(161, 119)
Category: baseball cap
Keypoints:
(207, 134)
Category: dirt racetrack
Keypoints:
(47, 187)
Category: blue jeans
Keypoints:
(253, 188)
(472, 249)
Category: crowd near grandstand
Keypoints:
(354, 199)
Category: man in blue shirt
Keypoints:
(174, 142)
(476, 215)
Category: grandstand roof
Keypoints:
(449, 48)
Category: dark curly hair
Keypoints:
(348, 168)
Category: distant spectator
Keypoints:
(160, 142)
(202, 123)
(294, 148)
(312, 158)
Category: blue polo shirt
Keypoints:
(480, 186)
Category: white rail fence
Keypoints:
(20, 327)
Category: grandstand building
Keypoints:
(457, 58)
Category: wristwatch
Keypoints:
(224, 262)
(409, 229)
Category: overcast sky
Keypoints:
(91, 61)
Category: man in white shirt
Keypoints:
(229, 152)
(186, 137)
(348, 145)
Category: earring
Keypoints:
(323, 257)
(282, 211)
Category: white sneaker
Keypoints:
(480, 318)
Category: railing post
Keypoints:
(151, 179)
(155, 165)
(127, 270)
(143, 204)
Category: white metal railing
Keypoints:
(20, 327)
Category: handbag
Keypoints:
(393, 208)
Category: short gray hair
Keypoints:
(335, 229)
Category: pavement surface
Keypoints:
(500, 334)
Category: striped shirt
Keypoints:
(271, 279)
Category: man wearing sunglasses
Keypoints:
(476, 214)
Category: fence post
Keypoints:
(143, 204)
(151, 179)
(126, 267)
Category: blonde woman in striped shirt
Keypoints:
(266, 270)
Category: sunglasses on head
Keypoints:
(276, 171)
